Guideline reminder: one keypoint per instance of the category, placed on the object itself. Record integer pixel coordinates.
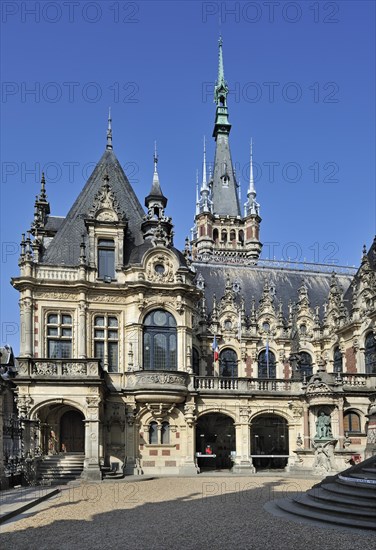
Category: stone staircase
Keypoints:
(346, 499)
(60, 469)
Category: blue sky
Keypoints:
(302, 81)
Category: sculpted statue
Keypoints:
(323, 426)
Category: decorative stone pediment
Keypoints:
(105, 206)
(318, 388)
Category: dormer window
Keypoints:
(106, 259)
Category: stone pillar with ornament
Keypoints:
(242, 460)
(189, 465)
(132, 465)
(92, 471)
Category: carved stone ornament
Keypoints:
(44, 369)
(74, 369)
(190, 415)
(160, 269)
(318, 388)
(161, 379)
(93, 400)
(105, 206)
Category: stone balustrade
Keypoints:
(359, 381)
(207, 383)
(56, 274)
(44, 369)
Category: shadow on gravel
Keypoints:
(216, 514)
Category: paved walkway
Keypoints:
(201, 512)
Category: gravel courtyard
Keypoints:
(174, 513)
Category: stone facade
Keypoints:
(118, 329)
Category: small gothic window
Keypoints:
(165, 433)
(351, 422)
(266, 364)
(241, 236)
(337, 360)
(153, 433)
(305, 364)
(370, 354)
(224, 236)
(233, 236)
(160, 341)
(228, 363)
(106, 259)
(266, 326)
(303, 329)
(215, 235)
(195, 362)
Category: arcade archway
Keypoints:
(215, 441)
(269, 442)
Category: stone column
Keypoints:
(82, 327)
(26, 332)
(92, 471)
(306, 427)
(131, 442)
(242, 439)
(341, 433)
(189, 465)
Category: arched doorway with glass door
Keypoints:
(72, 432)
(269, 442)
(215, 442)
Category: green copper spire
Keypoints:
(220, 97)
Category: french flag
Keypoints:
(215, 349)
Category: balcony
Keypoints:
(246, 385)
(157, 386)
(59, 369)
(356, 382)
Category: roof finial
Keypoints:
(197, 195)
(155, 158)
(43, 195)
(251, 206)
(251, 180)
(109, 130)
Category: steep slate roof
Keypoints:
(225, 198)
(65, 246)
(286, 283)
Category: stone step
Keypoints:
(325, 495)
(296, 509)
(335, 508)
(345, 492)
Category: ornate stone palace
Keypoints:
(151, 360)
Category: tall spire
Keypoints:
(204, 181)
(220, 97)
(251, 206)
(109, 130)
(156, 190)
(197, 195)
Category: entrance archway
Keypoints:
(215, 441)
(72, 432)
(269, 440)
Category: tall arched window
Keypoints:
(195, 362)
(153, 433)
(228, 363)
(266, 365)
(165, 433)
(160, 341)
(337, 360)
(241, 236)
(215, 235)
(224, 236)
(305, 364)
(370, 354)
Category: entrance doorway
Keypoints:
(215, 441)
(72, 432)
(269, 439)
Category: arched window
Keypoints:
(337, 360)
(241, 236)
(160, 341)
(305, 364)
(153, 433)
(215, 235)
(266, 365)
(370, 354)
(165, 433)
(195, 362)
(228, 363)
(224, 236)
(351, 422)
(233, 237)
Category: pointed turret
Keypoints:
(205, 202)
(251, 206)
(156, 225)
